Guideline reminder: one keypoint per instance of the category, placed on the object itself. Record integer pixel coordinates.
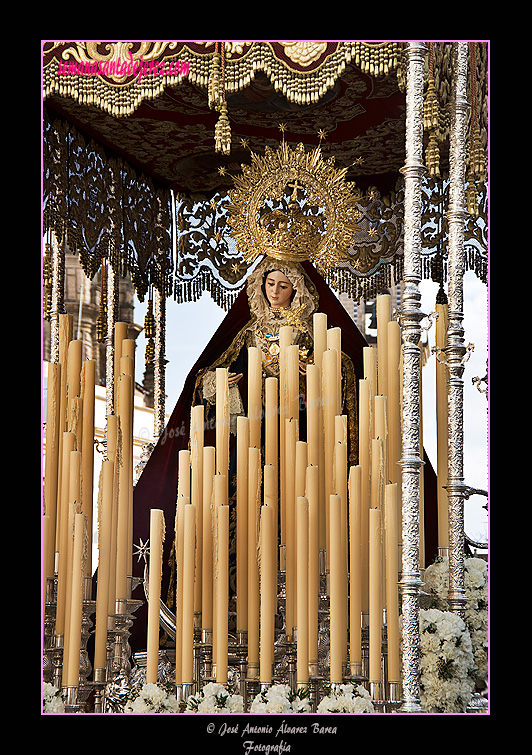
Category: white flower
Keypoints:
(214, 698)
(346, 698)
(152, 698)
(52, 699)
(279, 698)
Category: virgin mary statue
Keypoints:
(277, 294)
(295, 244)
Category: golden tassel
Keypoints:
(101, 322)
(149, 332)
(222, 133)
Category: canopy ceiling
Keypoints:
(352, 93)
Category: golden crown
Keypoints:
(293, 205)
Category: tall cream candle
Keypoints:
(179, 551)
(111, 453)
(377, 473)
(312, 493)
(87, 476)
(292, 378)
(369, 357)
(302, 518)
(184, 489)
(392, 579)
(285, 340)
(242, 451)
(71, 668)
(334, 341)
(291, 436)
(220, 497)
(375, 597)
(222, 421)
(51, 467)
(255, 396)
(68, 445)
(330, 403)
(383, 318)
(381, 429)
(364, 455)
(222, 593)
(315, 441)
(340, 460)
(337, 591)
(268, 591)
(105, 514)
(271, 421)
(197, 436)
(75, 350)
(253, 604)
(319, 324)
(120, 334)
(271, 499)
(189, 549)
(394, 401)
(355, 566)
(209, 467)
(157, 532)
(123, 544)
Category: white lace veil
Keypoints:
(259, 304)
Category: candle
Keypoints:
(319, 322)
(271, 499)
(271, 421)
(285, 340)
(291, 435)
(292, 379)
(222, 421)
(334, 342)
(315, 440)
(254, 395)
(179, 551)
(242, 450)
(393, 405)
(71, 667)
(302, 518)
(383, 318)
(329, 395)
(209, 465)
(364, 457)
(337, 591)
(442, 381)
(381, 429)
(46, 544)
(340, 458)
(392, 576)
(105, 514)
(197, 433)
(123, 544)
(222, 593)
(375, 598)
(355, 564)
(254, 483)
(220, 499)
(183, 475)
(157, 531)
(189, 548)
(87, 447)
(69, 441)
(268, 592)
(312, 492)
(74, 369)
(377, 473)
(369, 357)
(52, 462)
(111, 454)
(120, 335)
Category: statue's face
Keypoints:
(278, 289)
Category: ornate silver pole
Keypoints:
(456, 352)
(410, 320)
(58, 295)
(113, 284)
(159, 387)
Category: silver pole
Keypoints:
(410, 320)
(456, 353)
(113, 283)
(159, 387)
(58, 295)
